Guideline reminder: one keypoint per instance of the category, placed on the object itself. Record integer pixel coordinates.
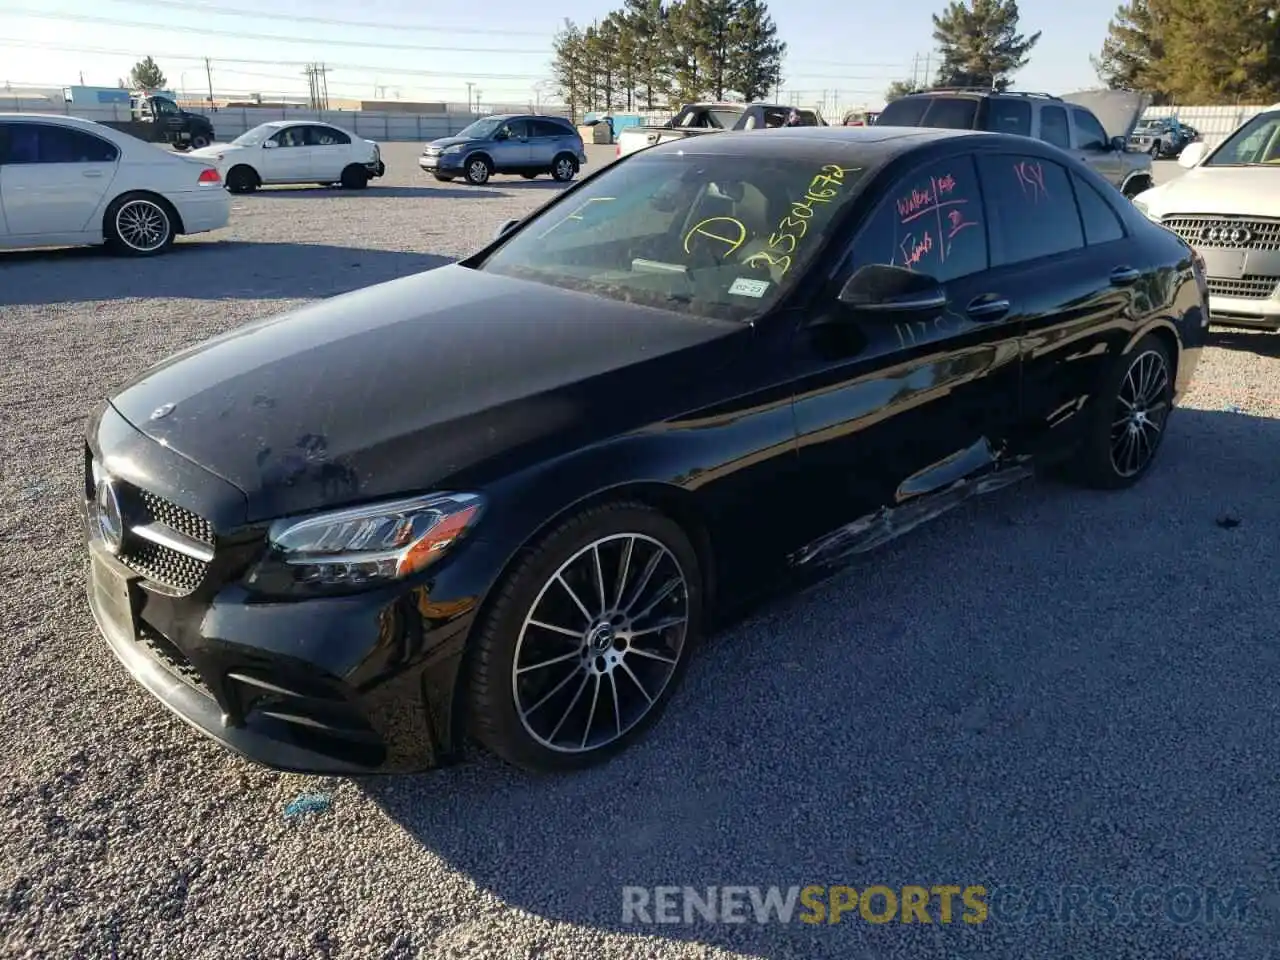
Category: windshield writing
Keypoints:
(720, 236)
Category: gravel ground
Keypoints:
(1045, 688)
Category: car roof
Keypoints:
(882, 142)
(61, 118)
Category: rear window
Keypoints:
(952, 113)
(907, 112)
(1009, 116)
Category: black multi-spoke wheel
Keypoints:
(1128, 421)
(1142, 406)
(587, 639)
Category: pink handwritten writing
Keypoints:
(957, 222)
(913, 251)
(1031, 179)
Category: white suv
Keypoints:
(1227, 206)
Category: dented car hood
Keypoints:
(1117, 110)
(439, 377)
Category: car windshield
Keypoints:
(251, 138)
(713, 235)
(481, 129)
(1254, 144)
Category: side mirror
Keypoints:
(269, 144)
(506, 228)
(1192, 154)
(1119, 144)
(878, 287)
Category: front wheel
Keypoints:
(1126, 428)
(588, 638)
(1155, 150)
(479, 170)
(242, 179)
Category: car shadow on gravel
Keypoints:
(1046, 687)
(1261, 342)
(372, 193)
(202, 270)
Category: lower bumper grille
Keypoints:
(1254, 288)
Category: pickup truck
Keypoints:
(158, 119)
(695, 119)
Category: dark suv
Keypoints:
(1093, 126)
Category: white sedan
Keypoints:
(66, 182)
(295, 151)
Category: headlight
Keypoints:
(456, 148)
(363, 546)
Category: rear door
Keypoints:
(55, 179)
(548, 139)
(330, 152)
(890, 407)
(1065, 267)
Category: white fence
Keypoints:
(1215, 124)
(230, 122)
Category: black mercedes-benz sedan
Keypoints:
(502, 499)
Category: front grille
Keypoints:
(159, 510)
(1266, 233)
(1253, 288)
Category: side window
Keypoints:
(545, 128)
(775, 117)
(326, 137)
(930, 222)
(1030, 207)
(808, 118)
(1092, 136)
(46, 143)
(1054, 128)
(519, 129)
(1101, 223)
(291, 137)
(1009, 116)
(952, 113)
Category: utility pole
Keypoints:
(915, 70)
(469, 101)
(928, 60)
(208, 74)
(477, 99)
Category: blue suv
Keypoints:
(527, 145)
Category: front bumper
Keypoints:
(441, 162)
(350, 685)
(1251, 312)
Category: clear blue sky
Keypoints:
(849, 57)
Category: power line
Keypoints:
(384, 70)
(269, 37)
(331, 21)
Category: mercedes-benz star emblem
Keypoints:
(1226, 234)
(110, 519)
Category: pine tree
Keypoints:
(647, 26)
(1134, 44)
(980, 43)
(568, 66)
(756, 54)
(147, 75)
(685, 18)
(1219, 51)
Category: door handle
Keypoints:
(91, 173)
(987, 307)
(1123, 276)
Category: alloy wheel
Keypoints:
(564, 169)
(142, 225)
(1142, 407)
(600, 643)
(479, 172)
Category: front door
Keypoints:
(1060, 256)
(54, 178)
(892, 407)
(290, 160)
(1093, 146)
(512, 151)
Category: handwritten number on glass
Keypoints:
(1031, 179)
(793, 227)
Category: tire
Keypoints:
(1122, 439)
(564, 168)
(443, 179)
(529, 176)
(243, 179)
(1155, 150)
(201, 140)
(514, 714)
(355, 177)
(479, 170)
(139, 225)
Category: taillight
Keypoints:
(617, 151)
(209, 175)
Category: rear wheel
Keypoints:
(1126, 428)
(564, 168)
(201, 140)
(139, 225)
(588, 638)
(243, 179)
(355, 177)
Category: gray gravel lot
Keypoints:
(1045, 688)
